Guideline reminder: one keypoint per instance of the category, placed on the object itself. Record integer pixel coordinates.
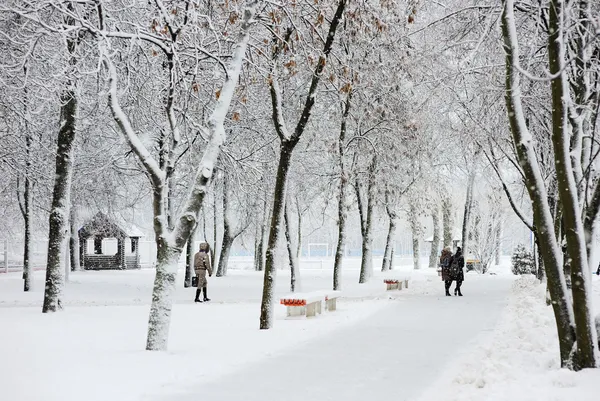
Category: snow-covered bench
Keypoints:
(395, 283)
(331, 300)
(310, 303)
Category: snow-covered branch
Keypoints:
(189, 215)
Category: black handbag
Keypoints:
(194, 281)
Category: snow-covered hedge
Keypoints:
(522, 261)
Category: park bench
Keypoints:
(396, 283)
(310, 303)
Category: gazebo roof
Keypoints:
(102, 226)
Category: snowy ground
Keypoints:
(519, 359)
(376, 345)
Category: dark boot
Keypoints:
(447, 285)
(458, 284)
(206, 298)
(197, 295)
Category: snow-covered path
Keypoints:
(397, 352)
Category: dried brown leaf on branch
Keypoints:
(346, 88)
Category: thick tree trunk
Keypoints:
(435, 243)
(342, 198)
(447, 222)
(59, 213)
(540, 262)
(162, 300)
(534, 183)
(224, 255)
(285, 158)
(587, 343)
(366, 265)
(292, 253)
(467, 214)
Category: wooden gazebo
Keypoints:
(101, 227)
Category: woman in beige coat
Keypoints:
(201, 267)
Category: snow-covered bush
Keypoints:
(522, 261)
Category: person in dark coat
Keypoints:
(202, 266)
(456, 270)
(445, 260)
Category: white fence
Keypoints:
(11, 257)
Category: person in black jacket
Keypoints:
(456, 270)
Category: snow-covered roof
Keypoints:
(101, 225)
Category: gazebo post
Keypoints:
(136, 241)
(121, 252)
(82, 251)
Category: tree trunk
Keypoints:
(540, 262)
(299, 244)
(389, 244)
(189, 259)
(257, 248)
(435, 243)
(498, 240)
(448, 223)
(26, 212)
(285, 158)
(214, 255)
(224, 255)
(341, 242)
(415, 227)
(366, 265)
(467, 215)
(228, 235)
(587, 343)
(162, 302)
(535, 186)
(260, 257)
(74, 242)
(292, 253)
(288, 142)
(260, 265)
(342, 198)
(59, 212)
